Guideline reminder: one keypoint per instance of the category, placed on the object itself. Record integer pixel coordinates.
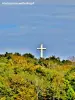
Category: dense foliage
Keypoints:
(24, 77)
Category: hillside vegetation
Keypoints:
(24, 77)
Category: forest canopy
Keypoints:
(24, 77)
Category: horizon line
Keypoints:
(36, 56)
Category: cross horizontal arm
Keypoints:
(41, 48)
(38, 48)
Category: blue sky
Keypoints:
(24, 28)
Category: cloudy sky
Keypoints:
(51, 22)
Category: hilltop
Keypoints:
(24, 77)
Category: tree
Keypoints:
(8, 55)
(66, 62)
(41, 61)
(17, 54)
(28, 55)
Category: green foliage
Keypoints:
(24, 77)
(66, 62)
(28, 55)
(18, 54)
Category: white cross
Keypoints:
(41, 48)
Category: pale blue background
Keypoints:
(51, 22)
